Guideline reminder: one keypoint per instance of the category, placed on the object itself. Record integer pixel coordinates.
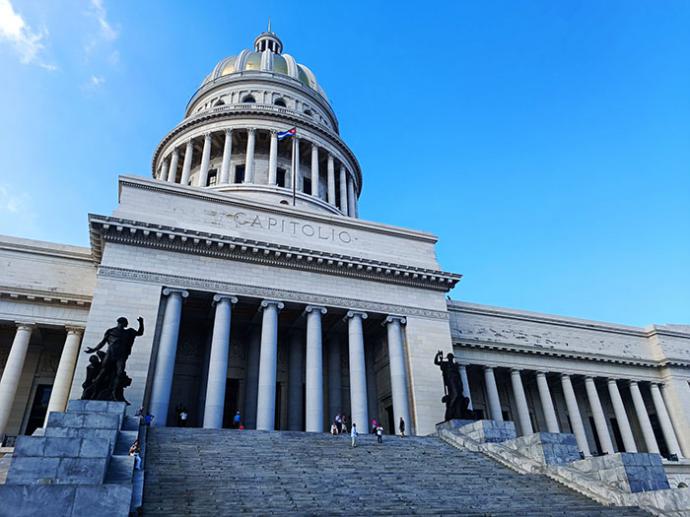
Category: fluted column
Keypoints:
(172, 172)
(574, 414)
(249, 164)
(187, 163)
(65, 371)
(227, 156)
(492, 394)
(521, 402)
(621, 417)
(547, 403)
(358, 375)
(251, 393)
(273, 159)
(465, 385)
(314, 371)
(331, 179)
(295, 401)
(314, 170)
(167, 351)
(643, 418)
(266, 403)
(351, 198)
(396, 358)
(664, 420)
(205, 160)
(218, 362)
(602, 429)
(343, 190)
(164, 170)
(335, 403)
(13, 372)
(299, 181)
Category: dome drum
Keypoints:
(250, 159)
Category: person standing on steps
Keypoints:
(379, 434)
(236, 420)
(402, 428)
(183, 417)
(339, 423)
(353, 434)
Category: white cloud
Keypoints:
(13, 203)
(107, 31)
(27, 42)
(96, 80)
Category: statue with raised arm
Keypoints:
(106, 375)
(454, 399)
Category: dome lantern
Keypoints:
(268, 41)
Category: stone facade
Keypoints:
(282, 304)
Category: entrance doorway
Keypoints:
(232, 401)
(39, 407)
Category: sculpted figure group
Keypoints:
(106, 378)
(456, 403)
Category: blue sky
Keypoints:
(546, 143)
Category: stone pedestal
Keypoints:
(80, 466)
(482, 431)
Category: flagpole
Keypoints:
(294, 172)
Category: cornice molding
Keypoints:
(601, 358)
(561, 321)
(266, 293)
(136, 233)
(45, 297)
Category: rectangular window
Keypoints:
(280, 177)
(239, 174)
(306, 185)
(212, 177)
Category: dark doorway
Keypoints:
(232, 403)
(279, 405)
(391, 422)
(596, 436)
(617, 435)
(39, 407)
(239, 174)
(659, 435)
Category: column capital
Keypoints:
(167, 291)
(267, 303)
(176, 151)
(74, 329)
(611, 380)
(221, 297)
(25, 325)
(207, 135)
(392, 318)
(632, 382)
(515, 371)
(565, 376)
(312, 308)
(228, 130)
(354, 313)
(541, 373)
(251, 129)
(190, 142)
(274, 132)
(485, 367)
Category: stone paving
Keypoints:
(227, 472)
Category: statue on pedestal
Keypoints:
(106, 378)
(456, 402)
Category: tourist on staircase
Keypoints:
(353, 434)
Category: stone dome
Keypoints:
(267, 56)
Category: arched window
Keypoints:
(280, 102)
(248, 98)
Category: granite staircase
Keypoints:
(228, 472)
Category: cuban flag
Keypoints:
(282, 135)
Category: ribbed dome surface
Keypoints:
(266, 61)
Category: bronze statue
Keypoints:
(106, 377)
(456, 402)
